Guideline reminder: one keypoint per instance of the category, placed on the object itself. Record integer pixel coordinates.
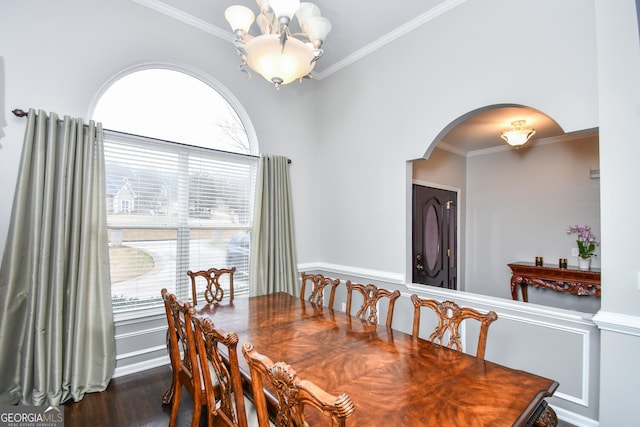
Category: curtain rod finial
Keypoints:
(19, 113)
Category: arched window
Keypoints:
(180, 179)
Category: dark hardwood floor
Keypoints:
(131, 401)
(136, 401)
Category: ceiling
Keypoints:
(378, 24)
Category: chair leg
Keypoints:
(168, 395)
(197, 412)
(175, 406)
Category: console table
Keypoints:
(578, 282)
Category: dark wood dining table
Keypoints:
(393, 378)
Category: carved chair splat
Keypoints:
(293, 394)
(450, 316)
(232, 408)
(213, 291)
(371, 294)
(319, 282)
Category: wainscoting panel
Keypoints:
(141, 344)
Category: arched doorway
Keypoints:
(514, 204)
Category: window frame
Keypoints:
(182, 286)
(141, 313)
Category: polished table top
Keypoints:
(393, 378)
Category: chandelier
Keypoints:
(278, 54)
(518, 135)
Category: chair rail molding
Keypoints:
(364, 273)
(618, 322)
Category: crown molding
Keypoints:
(452, 149)
(188, 19)
(544, 141)
(416, 22)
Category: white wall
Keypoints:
(619, 103)
(389, 107)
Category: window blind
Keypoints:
(172, 208)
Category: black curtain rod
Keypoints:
(21, 113)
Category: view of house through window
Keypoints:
(180, 182)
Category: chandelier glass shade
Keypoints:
(274, 63)
(277, 54)
(518, 134)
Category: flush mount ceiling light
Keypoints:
(279, 55)
(518, 135)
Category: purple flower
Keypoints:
(587, 242)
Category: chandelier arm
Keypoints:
(243, 67)
(242, 52)
(267, 23)
(317, 55)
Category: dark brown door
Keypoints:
(435, 253)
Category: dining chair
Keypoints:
(319, 282)
(450, 316)
(371, 294)
(186, 369)
(213, 289)
(226, 402)
(293, 394)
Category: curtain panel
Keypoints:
(56, 324)
(273, 266)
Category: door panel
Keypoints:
(434, 237)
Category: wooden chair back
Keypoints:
(225, 400)
(293, 394)
(213, 291)
(371, 294)
(186, 370)
(319, 282)
(450, 316)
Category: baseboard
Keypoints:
(575, 419)
(133, 368)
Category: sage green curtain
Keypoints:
(56, 325)
(273, 256)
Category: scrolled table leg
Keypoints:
(514, 288)
(547, 418)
